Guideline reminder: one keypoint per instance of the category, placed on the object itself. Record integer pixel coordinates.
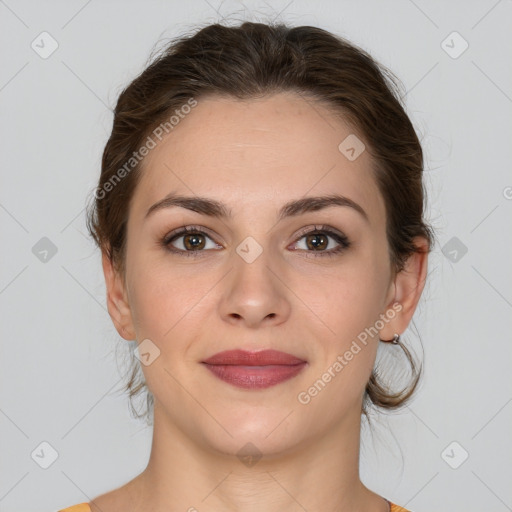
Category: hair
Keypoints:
(250, 61)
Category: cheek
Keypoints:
(344, 299)
(168, 303)
(348, 304)
(157, 300)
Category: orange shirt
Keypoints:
(84, 507)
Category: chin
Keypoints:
(269, 431)
(250, 447)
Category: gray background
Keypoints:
(59, 376)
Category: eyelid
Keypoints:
(304, 231)
(313, 228)
(183, 230)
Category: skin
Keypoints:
(255, 156)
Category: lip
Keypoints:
(254, 370)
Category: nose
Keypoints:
(255, 294)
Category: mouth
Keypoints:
(254, 370)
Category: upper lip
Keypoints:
(252, 358)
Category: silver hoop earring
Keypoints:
(395, 340)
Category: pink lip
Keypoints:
(254, 370)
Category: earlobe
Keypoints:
(408, 284)
(117, 303)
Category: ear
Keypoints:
(408, 286)
(117, 301)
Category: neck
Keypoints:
(323, 474)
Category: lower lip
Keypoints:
(255, 377)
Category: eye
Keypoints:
(317, 241)
(193, 241)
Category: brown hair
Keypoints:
(254, 60)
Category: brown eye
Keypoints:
(194, 241)
(317, 241)
(188, 241)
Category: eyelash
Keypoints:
(343, 241)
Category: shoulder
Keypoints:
(84, 507)
(120, 499)
(397, 508)
(81, 507)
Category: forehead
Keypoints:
(258, 154)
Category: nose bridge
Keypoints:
(251, 266)
(254, 292)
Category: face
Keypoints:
(307, 282)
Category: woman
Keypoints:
(260, 217)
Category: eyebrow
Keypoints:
(213, 208)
